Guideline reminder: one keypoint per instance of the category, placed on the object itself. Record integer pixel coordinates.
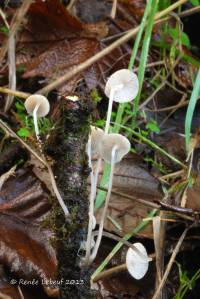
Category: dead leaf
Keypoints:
(132, 179)
(25, 247)
(25, 196)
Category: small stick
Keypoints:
(19, 94)
(8, 130)
(114, 9)
(17, 19)
(5, 176)
(130, 34)
(71, 4)
(171, 261)
(11, 70)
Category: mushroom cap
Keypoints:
(35, 99)
(136, 265)
(109, 141)
(130, 85)
(96, 139)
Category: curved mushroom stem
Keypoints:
(91, 224)
(91, 203)
(100, 233)
(111, 99)
(37, 133)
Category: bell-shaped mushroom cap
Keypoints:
(129, 89)
(34, 100)
(109, 141)
(137, 265)
(96, 139)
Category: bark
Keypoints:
(67, 147)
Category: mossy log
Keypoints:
(67, 146)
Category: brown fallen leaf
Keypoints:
(25, 247)
(25, 196)
(61, 57)
(26, 250)
(6, 288)
(132, 179)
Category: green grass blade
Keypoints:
(144, 55)
(136, 230)
(121, 107)
(190, 110)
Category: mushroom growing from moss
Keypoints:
(137, 261)
(37, 105)
(113, 148)
(121, 87)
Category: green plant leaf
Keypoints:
(195, 2)
(190, 110)
(23, 132)
(152, 126)
(175, 34)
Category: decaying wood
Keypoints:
(67, 147)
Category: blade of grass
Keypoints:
(144, 55)
(154, 145)
(136, 230)
(190, 110)
(101, 194)
(121, 107)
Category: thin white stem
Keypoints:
(109, 110)
(91, 204)
(37, 133)
(100, 233)
(110, 104)
(98, 167)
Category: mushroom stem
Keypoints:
(111, 99)
(100, 233)
(37, 133)
(91, 205)
(98, 167)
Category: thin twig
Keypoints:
(17, 20)
(125, 242)
(19, 94)
(71, 4)
(11, 70)
(110, 272)
(42, 159)
(114, 9)
(139, 200)
(5, 176)
(171, 261)
(8, 130)
(106, 51)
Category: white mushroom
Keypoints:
(109, 141)
(37, 105)
(137, 261)
(122, 87)
(113, 148)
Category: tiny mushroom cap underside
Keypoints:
(37, 100)
(126, 86)
(119, 142)
(96, 139)
(137, 264)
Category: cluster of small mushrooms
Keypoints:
(121, 87)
